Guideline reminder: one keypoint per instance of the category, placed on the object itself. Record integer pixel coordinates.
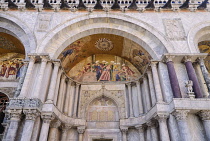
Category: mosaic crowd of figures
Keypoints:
(11, 66)
(204, 47)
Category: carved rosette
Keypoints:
(204, 114)
(31, 114)
(181, 114)
(47, 117)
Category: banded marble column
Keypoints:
(65, 128)
(205, 116)
(15, 117)
(151, 86)
(52, 87)
(153, 127)
(124, 131)
(31, 115)
(53, 134)
(192, 76)
(139, 95)
(173, 77)
(141, 130)
(205, 72)
(130, 99)
(156, 80)
(40, 76)
(147, 94)
(46, 118)
(162, 120)
(26, 83)
(76, 100)
(181, 117)
(81, 131)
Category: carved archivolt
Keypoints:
(87, 96)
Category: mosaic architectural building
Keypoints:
(104, 70)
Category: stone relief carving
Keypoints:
(43, 22)
(174, 29)
(88, 96)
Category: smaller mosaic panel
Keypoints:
(204, 47)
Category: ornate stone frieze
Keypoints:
(204, 114)
(181, 114)
(31, 114)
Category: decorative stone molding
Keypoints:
(181, 114)
(204, 114)
(55, 124)
(81, 129)
(31, 114)
(47, 117)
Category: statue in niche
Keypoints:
(190, 92)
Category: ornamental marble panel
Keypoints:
(43, 22)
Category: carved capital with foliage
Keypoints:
(204, 114)
(31, 114)
(181, 114)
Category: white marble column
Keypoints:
(63, 95)
(71, 100)
(139, 95)
(201, 80)
(26, 83)
(46, 118)
(31, 115)
(153, 128)
(141, 131)
(15, 116)
(151, 87)
(162, 120)
(40, 76)
(65, 129)
(76, 100)
(58, 81)
(181, 117)
(67, 98)
(156, 80)
(205, 116)
(130, 99)
(81, 131)
(53, 134)
(52, 87)
(146, 94)
(61, 92)
(124, 131)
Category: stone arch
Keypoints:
(142, 33)
(199, 32)
(16, 28)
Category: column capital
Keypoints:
(181, 114)
(204, 114)
(81, 129)
(187, 59)
(47, 117)
(161, 117)
(44, 58)
(78, 84)
(169, 58)
(31, 114)
(32, 58)
(56, 63)
(128, 84)
(152, 124)
(55, 124)
(65, 127)
(154, 63)
(124, 129)
(15, 114)
(140, 128)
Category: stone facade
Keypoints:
(45, 104)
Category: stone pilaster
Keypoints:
(130, 99)
(156, 80)
(124, 131)
(173, 77)
(81, 131)
(192, 76)
(76, 100)
(205, 116)
(53, 134)
(65, 129)
(46, 118)
(140, 104)
(52, 87)
(151, 86)
(15, 117)
(181, 117)
(162, 120)
(141, 130)
(153, 127)
(31, 115)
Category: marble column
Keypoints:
(139, 95)
(173, 77)
(147, 94)
(52, 87)
(64, 95)
(81, 131)
(15, 117)
(26, 83)
(151, 87)
(156, 80)
(181, 117)
(65, 128)
(130, 99)
(124, 131)
(76, 100)
(71, 100)
(31, 115)
(141, 131)
(201, 80)
(53, 134)
(40, 76)
(205, 72)
(67, 98)
(192, 76)
(162, 120)
(58, 81)
(205, 117)
(46, 118)
(61, 92)
(153, 127)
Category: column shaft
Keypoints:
(12, 131)
(53, 134)
(164, 135)
(76, 100)
(58, 81)
(141, 132)
(154, 133)
(67, 98)
(139, 97)
(60, 93)
(71, 102)
(27, 130)
(130, 100)
(151, 86)
(44, 131)
(147, 95)
(205, 116)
